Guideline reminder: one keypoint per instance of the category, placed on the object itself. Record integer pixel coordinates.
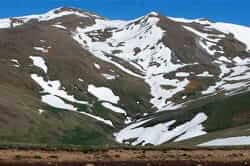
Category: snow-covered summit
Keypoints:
(48, 16)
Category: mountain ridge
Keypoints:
(122, 79)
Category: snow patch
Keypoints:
(43, 50)
(205, 74)
(41, 111)
(161, 95)
(97, 66)
(241, 33)
(182, 74)
(232, 78)
(126, 35)
(55, 97)
(17, 64)
(206, 41)
(114, 108)
(108, 122)
(231, 141)
(103, 94)
(59, 26)
(57, 102)
(109, 77)
(160, 133)
(224, 59)
(5, 23)
(39, 62)
(53, 89)
(81, 80)
(184, 20)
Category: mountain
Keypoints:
(73, 77)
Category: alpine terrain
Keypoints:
(73, 77)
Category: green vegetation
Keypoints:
(222, 112)
(79, 136)
(18, 157)
(56, 126)
(227, 117)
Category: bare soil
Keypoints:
(126, 157)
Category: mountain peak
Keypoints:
(113, 72)
(67, 9)
(62, 11)
(153, 13)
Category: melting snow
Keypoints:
(109, 77)
(184, 20)
(17, 64)
(127, 35)
(228, 77)
(231, 141)
(103, 94)
(53, 88)
(160, 133)
(41, 111)
(5, 23)
(240, 61)
(43, 50)
(114, 108)
(128, 120)
(81, 80)
(108, 122)
(205, 74)
(97, 66)
(14, 60)
(43, 41)
(207, 42)
(182, 74)
(162, 94)
(241, 33)
(153, 58)
(59, 26)
(57, 102)
(39, 62)
(54, 97)
(224, 59)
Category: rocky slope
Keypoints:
(73, 77)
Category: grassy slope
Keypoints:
(20, 121)
(227, 116)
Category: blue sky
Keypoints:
(234, 11)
